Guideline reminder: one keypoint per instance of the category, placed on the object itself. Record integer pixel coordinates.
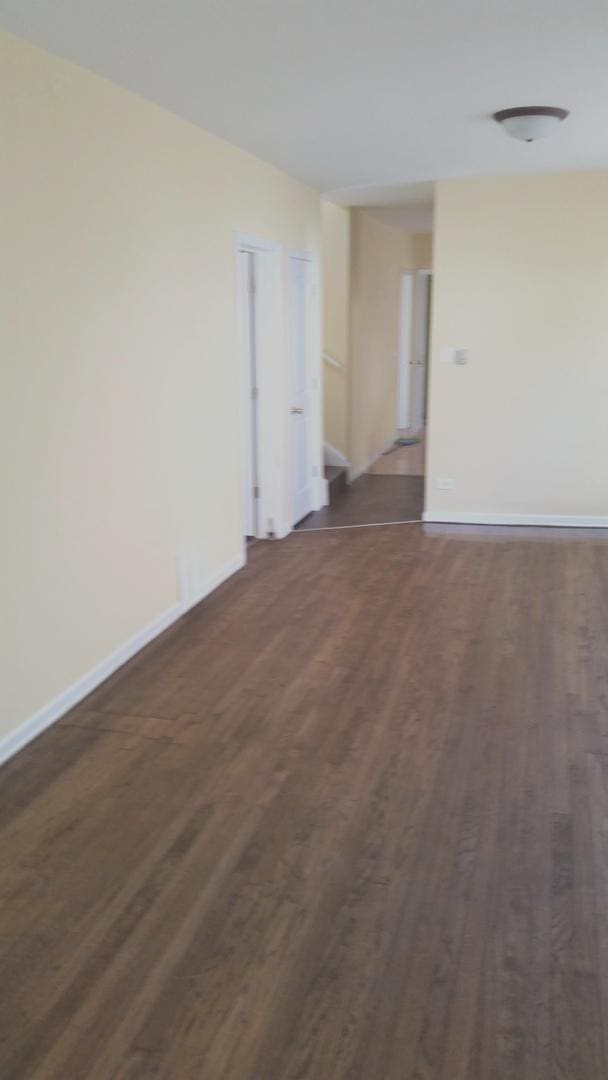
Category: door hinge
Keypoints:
(256, 492)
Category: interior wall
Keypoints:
(423, 250)
(521, 282)
(335, 266)
(122, 383)
(380, 253)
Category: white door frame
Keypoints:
(269, 341)
(315, 452)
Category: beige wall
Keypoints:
(121, 381)
(422, 251)
(521, 281)
(335, 266)
(380, 253)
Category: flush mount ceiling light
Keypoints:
(530, 122)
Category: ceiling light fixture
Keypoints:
(530, 122)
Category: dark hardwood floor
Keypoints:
(348, 820)
(371, 500)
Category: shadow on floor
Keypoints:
(371, 500)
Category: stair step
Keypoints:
(337, 480)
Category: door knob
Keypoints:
(296, 409)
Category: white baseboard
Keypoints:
(282, 531)
(358, 470)
(48, 714)
(562, 521)
(333, 456)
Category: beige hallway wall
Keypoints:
(121, 377)
(422, 251)
(379, 255)
(335, 268)
(521, 282)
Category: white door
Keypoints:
(405, 350)
(422, 294)
(301, 418)
(248, 306)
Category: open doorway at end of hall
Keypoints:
(391, 490)
(402, 466)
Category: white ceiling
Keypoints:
(353, 93)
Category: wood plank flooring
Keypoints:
(401, 460)
(371, 500)
(348, 820)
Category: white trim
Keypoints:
(305, 256)
(562, 521)
(354, 474)
(280, 532)
(212, 583)
(255, 243)
(333, 456)
(331, 360)
(250, 453)
(48, 714)
(404, 355)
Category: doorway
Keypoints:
(280, 422)
(407, 456)
(260, 329)
(390, 488)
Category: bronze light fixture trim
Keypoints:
(530, 122)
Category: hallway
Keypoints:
(342, 821)
(392, 490)
(371, 500)
(401, 460)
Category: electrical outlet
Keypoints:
(458, 356)
(445, 483)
